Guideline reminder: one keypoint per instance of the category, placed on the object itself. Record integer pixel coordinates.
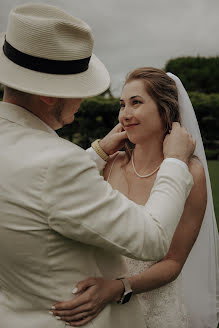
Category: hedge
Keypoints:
(199, 74)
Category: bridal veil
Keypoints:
(200, 272)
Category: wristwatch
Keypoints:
(127, 291)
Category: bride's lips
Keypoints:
(127, 127)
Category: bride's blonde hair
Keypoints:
(162, 90)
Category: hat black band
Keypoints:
(45, 65)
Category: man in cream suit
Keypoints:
(56, 212)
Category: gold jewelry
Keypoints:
(96, 147)
(142, 176)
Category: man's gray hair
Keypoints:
(13, 93)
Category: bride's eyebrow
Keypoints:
(131, 97)
(135, 97)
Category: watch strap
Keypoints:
(127, 291)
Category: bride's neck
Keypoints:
(148, 155)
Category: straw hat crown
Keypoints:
(46, 51)
(52, 33)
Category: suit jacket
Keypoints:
(60, 222)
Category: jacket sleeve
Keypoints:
(81, 206)
(100, 163)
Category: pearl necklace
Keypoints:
(142, 176)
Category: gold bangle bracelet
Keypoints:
(96, 147)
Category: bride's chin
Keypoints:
(135, 140)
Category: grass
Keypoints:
(213, 167)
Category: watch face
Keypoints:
(126, 297)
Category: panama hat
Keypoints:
(46, 51)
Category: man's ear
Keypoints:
(50, 101)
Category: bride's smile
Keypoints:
(139, 113)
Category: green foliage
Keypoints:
(213, 167)
(199, 74)
(207, 112)
(212, 154)
(1, 92)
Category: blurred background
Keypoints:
(179, 36)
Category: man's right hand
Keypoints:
(179, 144)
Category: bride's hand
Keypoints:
(92, 295)
(114, 140)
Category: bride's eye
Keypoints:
(122, 105)
(135, 102)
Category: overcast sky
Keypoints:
(134, 33)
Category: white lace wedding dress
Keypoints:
(162, 307)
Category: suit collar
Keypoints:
(23, 117)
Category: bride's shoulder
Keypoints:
(119, 158)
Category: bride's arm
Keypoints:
(97, 292)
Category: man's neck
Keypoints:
(34, 108)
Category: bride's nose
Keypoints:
(127, 117)
(127, 113)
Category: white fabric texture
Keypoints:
(177, 161)
(57, 213)
(200, 272)
(162, 307)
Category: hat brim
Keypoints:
(90, 83)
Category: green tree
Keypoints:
(200, 74)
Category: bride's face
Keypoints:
(139, 114)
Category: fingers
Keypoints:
(123, 135)
(83, 285)
(77, 301)
(179, 143)
(72, 312)
(175, 125)
(81, 322)
(69, 305)
(119, 127)
(76, 317)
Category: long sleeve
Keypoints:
(96, 158)
(81, 206)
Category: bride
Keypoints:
(180, 290)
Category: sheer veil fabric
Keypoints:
(200, 272)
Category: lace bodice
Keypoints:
(164, 306)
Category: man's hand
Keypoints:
(179, 144)
(114, 140)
